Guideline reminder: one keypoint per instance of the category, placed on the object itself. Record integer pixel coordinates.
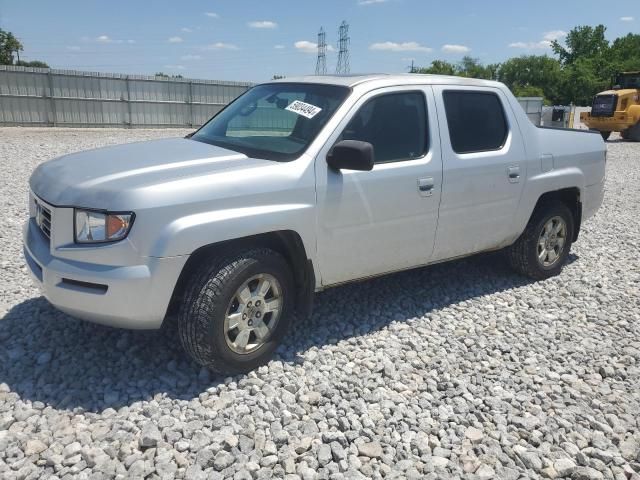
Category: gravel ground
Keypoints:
(458, 370)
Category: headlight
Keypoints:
(95, 227)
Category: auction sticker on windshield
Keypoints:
(305, 109)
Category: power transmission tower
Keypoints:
(321, 63)
(343, 66)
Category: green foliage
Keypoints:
(527, 91)
(582, 42)
(438, 67)
(468, 67)
(585, 65)
(9, 46)
(34, 63)
(533, 71)
(164, 75)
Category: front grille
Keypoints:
(43, 218)
(604, 105)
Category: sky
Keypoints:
(252, 40)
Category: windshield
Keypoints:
(628, 80)
(275, 121)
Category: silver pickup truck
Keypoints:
(296, 186)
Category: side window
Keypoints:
(394, 123)
(476, 121)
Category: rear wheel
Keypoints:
(236, 310)
(605, 135)
(543, 248)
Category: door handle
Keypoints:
(513, 173)
(426, 186)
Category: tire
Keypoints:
(524, 254)
(212, 298)
(633, 133)
(625, 134)
(605, 135)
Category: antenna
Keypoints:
(321, 63)
(343, 66)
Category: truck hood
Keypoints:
(103, 177)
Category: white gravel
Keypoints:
(458, 370)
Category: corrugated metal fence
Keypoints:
(533, 108)
(48, 97)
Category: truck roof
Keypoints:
(388, 80)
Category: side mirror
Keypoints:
(351, 155)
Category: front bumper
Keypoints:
(617, 123)
(126, 296)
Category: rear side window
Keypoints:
(394, 123)
(476, 121)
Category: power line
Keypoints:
(343, 66)
(321, 63)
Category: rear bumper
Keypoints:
(132, 296)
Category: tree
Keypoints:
(164, 75)
(34, 63)
(468, 67)
(472, 68)
(582, 42)
(625, 53)
(533, 72)
(527, 91)
(581, 81)
(9, 45)
(438, 67)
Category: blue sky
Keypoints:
(255, 39)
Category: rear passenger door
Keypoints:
(385, 219)
(483, 170)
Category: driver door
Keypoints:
(378, 221)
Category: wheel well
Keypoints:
(571, 198)
(286, 242)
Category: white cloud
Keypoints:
(174, 67)
(554, 35)
(543, 44)
(106, 39)
(309, 47)
(188, 58)
(306, 46)
(531, 45)
(186, 30)
(220, 46)
(399, 47)
(175, 40)
(279, 47)
(627, 19)
(212, 15)
(449, 48)
(370, 2)
(262, 24)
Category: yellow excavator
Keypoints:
(618, 109)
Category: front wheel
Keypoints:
(543, 248)
(632, 133)
(236, 310)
